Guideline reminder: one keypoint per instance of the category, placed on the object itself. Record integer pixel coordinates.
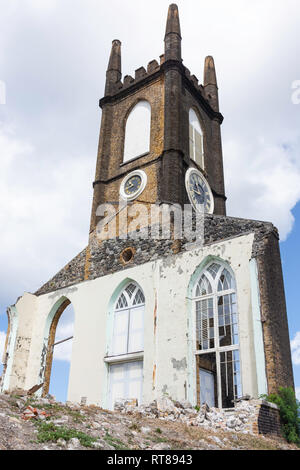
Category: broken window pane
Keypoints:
(227, 320)
(205, 324)
(225, 281)
(203, 287)
(230, 378)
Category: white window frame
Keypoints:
(194, 129)
(137, 131)
(215, 295)
(127, 357)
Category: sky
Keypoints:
(53, 57)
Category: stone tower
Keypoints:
(202, 320)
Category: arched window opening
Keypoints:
(196, 139)
(125, 362)
(59, 350)
(217, 337)
(137, 131)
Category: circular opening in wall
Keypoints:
(127, 255)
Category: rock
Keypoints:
(161, 446)
(74, 443)
(61, 442)
(165, 405)
(145, 430)
(217, 440)
(98, 445)
(60, 421)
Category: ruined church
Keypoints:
(200, 320)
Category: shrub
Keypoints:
(289, 408)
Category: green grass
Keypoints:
(114, 442)
(48, 432)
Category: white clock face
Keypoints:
(199, 192)
(133, 185)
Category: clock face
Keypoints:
(199, 192)
(133, 185)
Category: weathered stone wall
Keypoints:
(102, 258)
(274, 316)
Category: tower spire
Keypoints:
(210, 82)
(173, 35)
(113, 73)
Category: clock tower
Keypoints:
(160, 123)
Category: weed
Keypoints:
(49, 432)
(114, 442)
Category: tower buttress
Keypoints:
(173, 35)
(114, 72)
(210, 83)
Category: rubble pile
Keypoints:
(238, 419)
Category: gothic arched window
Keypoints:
(217, 336)
(196, 139)
(128, 328)
(125, 362)
(137, 131)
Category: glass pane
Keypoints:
(230, 378)
(121, 322)
(213, 269)
(136, 330)
(204, 324)
(203, 287)
(226, 318)
(130, 289)
(225, 281)
(122, 302)
(139, 298)
(119, 345)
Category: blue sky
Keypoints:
(53, 57)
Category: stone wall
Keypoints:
(248, 416)
(102, 258)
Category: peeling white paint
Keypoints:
(167, 285)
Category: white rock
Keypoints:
(74, 443)
(61, 442)
(145, 430)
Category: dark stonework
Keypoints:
(101, 259)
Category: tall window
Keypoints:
(137, 132)
(217, 337)
(196, 139)
(126, 352)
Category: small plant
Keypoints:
(197, 408)
(289, 408)
(158, 430)
(134, 427)
(49, 432)
(114, 442)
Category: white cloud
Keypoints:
(263, 182)
(295, 346)
(2, 343)
(297, 390)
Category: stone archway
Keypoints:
(50, 345)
